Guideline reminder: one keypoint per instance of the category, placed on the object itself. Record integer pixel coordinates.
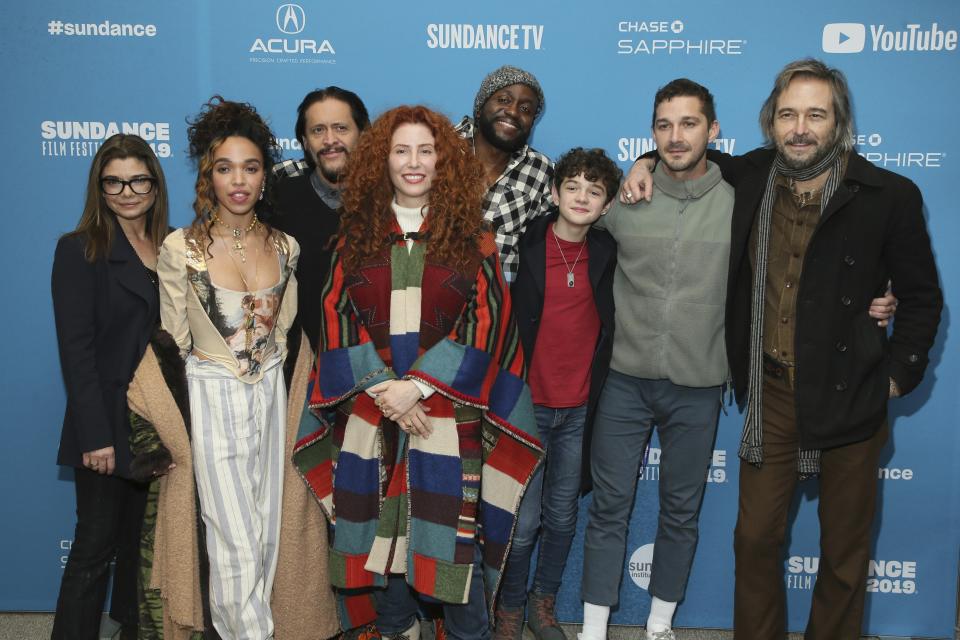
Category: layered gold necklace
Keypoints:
(250, 299)
(239, 235)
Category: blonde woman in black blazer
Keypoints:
(106, 306)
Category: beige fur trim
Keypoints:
(175, 552)
(303, 604)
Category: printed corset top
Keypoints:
(246, 320)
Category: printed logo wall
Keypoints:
(77, 73)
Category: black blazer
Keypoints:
(105, 312)
(872, 230)
(527, 294)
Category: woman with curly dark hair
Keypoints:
(418, 391)
(228, 296)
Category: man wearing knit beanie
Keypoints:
(518, 177)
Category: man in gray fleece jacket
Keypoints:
(669, 359)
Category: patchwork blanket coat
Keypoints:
(400, 503)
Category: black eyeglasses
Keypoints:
(140, 185)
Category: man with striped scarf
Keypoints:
(817, 232)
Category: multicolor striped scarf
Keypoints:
(405, 504)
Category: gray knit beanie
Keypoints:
(504, 77)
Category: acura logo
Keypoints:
(291, 18)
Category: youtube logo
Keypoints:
(844, 37)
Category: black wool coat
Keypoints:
(871, 231)
(105, 312)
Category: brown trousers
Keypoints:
(848, 491)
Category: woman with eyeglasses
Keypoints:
(106, 306)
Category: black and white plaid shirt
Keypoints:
(518, 196)
(291, 168)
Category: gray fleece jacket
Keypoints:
(671, 280)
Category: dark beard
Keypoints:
(331, 176)
(822, 152)
(485, 125)
(684, 167)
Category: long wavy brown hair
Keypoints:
(455, 216)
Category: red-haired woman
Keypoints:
(418, 389)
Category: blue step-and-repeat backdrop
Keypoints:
(76, 72)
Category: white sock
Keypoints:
(594, 622)
(661, 615)
(413, 632)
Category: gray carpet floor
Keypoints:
(37, 626)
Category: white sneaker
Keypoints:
(661, 635)
(413, 633)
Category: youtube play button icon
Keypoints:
(844, 37)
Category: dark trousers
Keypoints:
(686, 422)
(109, 518)
(848, 492)
(397, 608)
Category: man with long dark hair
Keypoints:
(307, 193)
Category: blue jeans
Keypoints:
(397, 608)
(686, 421)
(550, 502)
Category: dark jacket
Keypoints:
(527, 294)
(104, 312)
(300, 212)
(871, 231)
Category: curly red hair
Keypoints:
(455, 218)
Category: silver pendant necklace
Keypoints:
(571, 281)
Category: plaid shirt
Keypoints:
(291, 168)
(518, 196)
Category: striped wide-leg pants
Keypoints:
(237, 437)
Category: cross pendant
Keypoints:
(570, 280)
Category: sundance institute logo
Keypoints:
(641, 563)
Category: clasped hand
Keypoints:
(399, 400)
